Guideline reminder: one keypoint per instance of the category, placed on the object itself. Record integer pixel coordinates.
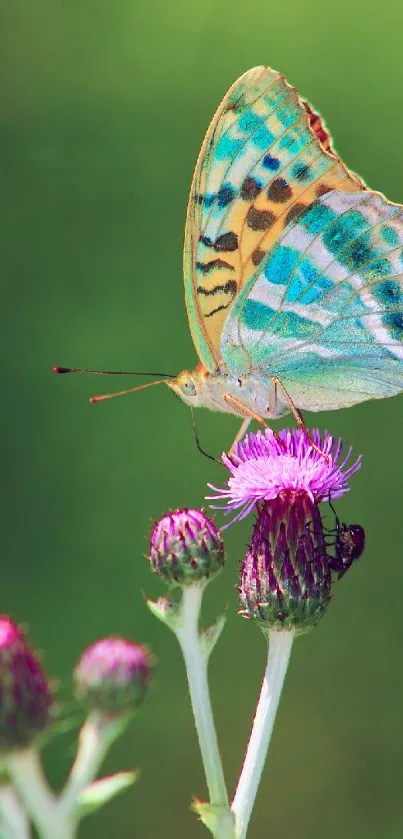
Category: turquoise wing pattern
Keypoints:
(324, 309)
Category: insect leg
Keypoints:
(244, 412)
(297, 415)
(242, 409)
(245, 424)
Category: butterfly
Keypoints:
(293, 268)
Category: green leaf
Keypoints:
(102, 791)
(218, 819)
(210, 636)
(166, 611)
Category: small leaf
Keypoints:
(102, 791)
(210, 636)
(218, 819)
(166, 611)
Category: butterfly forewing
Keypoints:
(265, 158)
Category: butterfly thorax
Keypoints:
(220, 391)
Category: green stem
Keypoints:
(196, 662)
(96, 736)
(13, 819)
(280, 644)
(26, 773)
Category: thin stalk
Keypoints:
(14, 822)
(280, 644)
(96, 736)
(196, 662)
(26, 773)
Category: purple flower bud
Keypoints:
(185, 547)
(285, 578)
(113, 675)
(25, 693)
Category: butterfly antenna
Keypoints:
(110, 372)
(104, 396)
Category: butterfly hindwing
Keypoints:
(265, 158)
(324, 310)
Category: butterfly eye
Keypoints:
(189, 387)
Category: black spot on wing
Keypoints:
(250, 189)
(229, 288)
(260, 219)
(206, 267)
(257, 256)
(293, 212)
(279, 191)
(225, 195)
(226, 242)
(322, 189)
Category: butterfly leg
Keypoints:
(242, 431)
(296, 414)
(244, 412)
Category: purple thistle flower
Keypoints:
(265, 464)
(113, 675)
(25, 692)
(286, 578)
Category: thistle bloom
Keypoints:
(186, 547)
(113, 675)
(25, 693)
(286, 575)
(265, 464)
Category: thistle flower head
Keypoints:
(286, 575)
(25, 693)
(113, 675)
(265, 464)
(186, 547)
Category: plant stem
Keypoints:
(13, 819)
(96, 736)
(196, 662)
(280, 643)
(27, 776)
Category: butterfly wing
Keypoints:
(324, 310)
(265, 157)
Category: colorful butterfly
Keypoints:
(293, 267)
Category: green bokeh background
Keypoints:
(103, 108)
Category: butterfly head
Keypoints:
(188, 387)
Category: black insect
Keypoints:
(348, 545)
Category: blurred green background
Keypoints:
(103, 108)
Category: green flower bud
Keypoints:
(186, 547)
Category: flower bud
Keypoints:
(285, 578)
(186, 547)
(25, 693)
(113, 675)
